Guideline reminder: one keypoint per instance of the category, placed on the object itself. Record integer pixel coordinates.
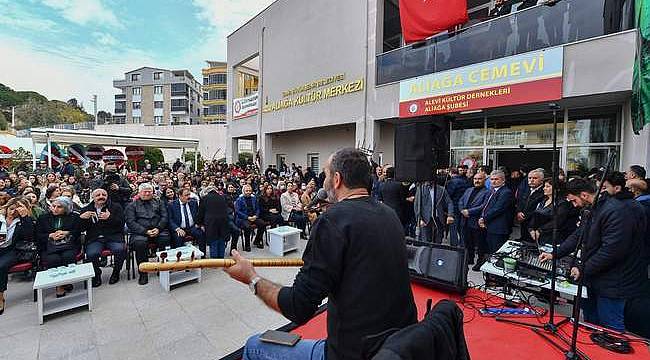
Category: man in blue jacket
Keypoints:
(182, 220)
(247, 212)
(497, 214)
(470, 207)
(456, 187)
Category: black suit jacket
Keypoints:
(393, 194)
(213, 215)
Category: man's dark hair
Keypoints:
(390, 172)
(578, 185)
(616, 178)
(353, 166)
(182, 191)
(638, 170)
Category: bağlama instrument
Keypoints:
(214, 263)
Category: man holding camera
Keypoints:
(103, 222)
(117, 188)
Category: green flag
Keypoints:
(641, 82)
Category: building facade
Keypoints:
(336, 73)
(214, 92)
(153, 96)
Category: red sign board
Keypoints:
(5, 156)
(95, 152)
(113, 156)
(520, 79)
(134, 153)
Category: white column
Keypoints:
(196, 159)
(49, 152)
(33, 154)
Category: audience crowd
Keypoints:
(53, 217)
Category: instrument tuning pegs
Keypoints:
(163, 256)
(192, 256)
(178, 256)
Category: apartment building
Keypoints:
(214, 92)
(153, 96)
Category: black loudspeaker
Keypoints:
(421, 145)
(438, 266)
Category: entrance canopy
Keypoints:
(85, 137)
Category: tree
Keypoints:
(154, 155)
(35, 114)
(245, 158)
(75, 104)
(4, 125)
(104, 117)
(189, 156)
(21, 159)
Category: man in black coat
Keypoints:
(103, 222)
(118, 189)
(213, 219)
(612, 237)
(528, 201)
(393, 194)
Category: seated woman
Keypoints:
(57, 233)
(541, 222)
(16, 227)
(270, 207)
(52, 192)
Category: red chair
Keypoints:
(23, 267)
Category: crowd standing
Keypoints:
(53, 217)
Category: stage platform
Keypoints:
(487, 338)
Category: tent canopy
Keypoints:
(85, 137)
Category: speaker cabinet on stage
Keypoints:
(438, 266)
(421, 144)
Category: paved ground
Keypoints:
(193, 321)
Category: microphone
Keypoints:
(321, 197)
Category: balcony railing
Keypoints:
(120, 96)
(531, 29)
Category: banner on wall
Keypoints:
(519, 79)
(246, 106)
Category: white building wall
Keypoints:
(324, 141)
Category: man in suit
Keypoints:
(456, 187)
(496, 217)
(528, 201)
(470, 207)
(182, 220)
(247, 215)
(433, 210)
(393, 194)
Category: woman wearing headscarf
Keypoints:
(57, 233)
(16, 227)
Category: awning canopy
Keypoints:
(86, 137)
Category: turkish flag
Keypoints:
(424, 18)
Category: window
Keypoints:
(120, 107)
(217, 79)
(136, 105)
(158, 120)
(157, 104)
(135, 77)
(179, 89)
(136, 91)
(218, 94)
(206, 80)
(215, 110)
(137, 119)
(205, 96)
(157, 89)
(157, 75)
(314, 162)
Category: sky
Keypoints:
(76, 48)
